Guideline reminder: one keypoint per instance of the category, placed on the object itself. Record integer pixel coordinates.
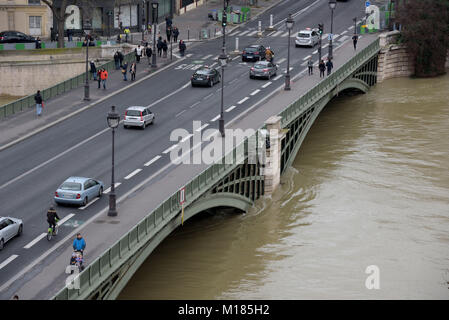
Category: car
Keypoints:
(263, 69)
(15, 37)
(9, 228)
(205, 76)
(138, 116)
(308, 37)
(254, 52)
(78, 191)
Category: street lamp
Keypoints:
(289, 23)
(332, 5)
(113, 122)
(87, 26)
(223, 59)
(154, 18)
(143, 20)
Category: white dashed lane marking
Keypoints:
(152, 161)
(109, 189)
(7, 261)
(267, 84)
(202, 127)
(230, 108)
(32, 243)
(255, 92)
(216, 118)
(132, 174)
(243, 100)
(169, 149)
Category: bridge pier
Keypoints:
(272, 173)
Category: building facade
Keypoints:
(31, 17)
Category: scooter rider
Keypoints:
(51, 218)
(269, 54)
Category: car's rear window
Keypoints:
(133, 113)
(250, 49)
(203, 71)
(260, 66)
(71, 186)
(304, 35)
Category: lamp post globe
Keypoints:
(332, 5)
(113, 119)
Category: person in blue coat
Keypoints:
(79, 244)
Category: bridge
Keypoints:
(236, 184)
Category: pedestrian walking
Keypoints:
(38, 43)
(159, 46)
(93, 70)
(182, 47)
(39, 103)
(168, 22)
(116, 60)
(133, 70)
(120, 58)
(69, 35)
(310, 65)
(79, 244)
(124, 71)
(149, 53)
(165, 48)
(138, 52)
(104, 77)
(175, 33)
(168, 31)
(52, 34)
(355, 38)
(322, 68)
(119, 38)
(99, 71)
(329, 66)
(127, 32)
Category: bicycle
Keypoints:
(51, 232)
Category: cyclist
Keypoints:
(51, 218)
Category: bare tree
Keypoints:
(425, 31)
(60, 16)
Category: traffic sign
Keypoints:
(367, 4)
(329, 37)
(182, 195)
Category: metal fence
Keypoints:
(60, 88)
(119, 253)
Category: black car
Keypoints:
(205, 76)
(253, 53)
(15, 37)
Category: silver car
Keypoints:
(263, 69)
(308, 37)
(138, 117)
(9, 228)
(78, 190)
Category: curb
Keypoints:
(32, 133)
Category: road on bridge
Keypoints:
(81, 145)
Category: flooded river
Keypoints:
(369, 187)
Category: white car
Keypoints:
(308, 37)
(9, 228)
(138, 116)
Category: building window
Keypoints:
(35, 25)
(34, 2)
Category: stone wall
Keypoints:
(25, 71)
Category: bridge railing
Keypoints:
(291, 112)
(103, 267)
(51, 92)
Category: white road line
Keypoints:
(215, 58)
(207, 56)
(335, 36)
(63, 220)
(170, 149)
(188, 55)
(315, 52)
(236, 57)
(208, 96)
(243, 33)
(87, 205)
(255, 92)
(216, 118)
(234, 33)
(281, 60)
(243, 100)
(202, 127)
(343, 38)
(132, 174)
(169, 95)
(343, 32)
(252, 33)
(285, 35)
(152, 161)
(187, 137)
(324, 36)
(277, 77)
(306, 58)
(195, 104)
(177, 115)
(11, 258)
(358, 22)
(36, 240)
(109, 189)
(285, 71)
(277, 33)
(230, 108)
(271, 33)
(351, 27)
(304, 63)
(267, 84)
(326, 45)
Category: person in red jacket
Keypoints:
(104, 77)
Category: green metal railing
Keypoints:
(291, 112)
(60, 88)
(118, 254)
